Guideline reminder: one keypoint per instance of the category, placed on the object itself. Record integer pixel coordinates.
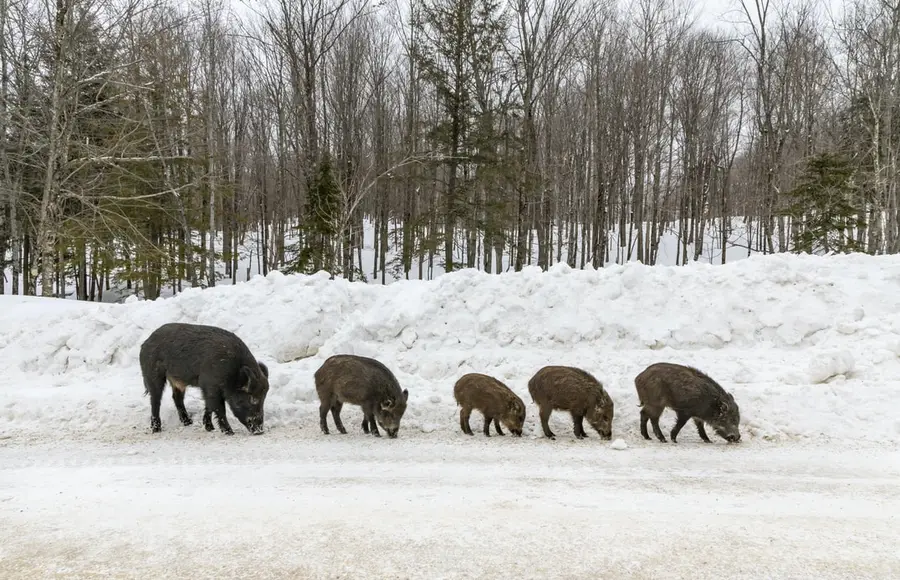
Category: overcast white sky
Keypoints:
(708, 13)
(721, 12)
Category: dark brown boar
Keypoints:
(692, 395)
(574, 390)
(362, 381)
(495, 400)
(213, 359)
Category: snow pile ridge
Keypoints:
(809, 346)
(783, 301)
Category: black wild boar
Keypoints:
(692, 395)
(495, 400)
(213, 359)
(358, 380)
(574, 390)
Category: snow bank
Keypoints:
(808, 345)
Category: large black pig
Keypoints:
(213, 359)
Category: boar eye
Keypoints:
(254, 400)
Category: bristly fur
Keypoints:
(692, 394)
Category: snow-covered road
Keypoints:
(292, 504)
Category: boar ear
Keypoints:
(405, 395)
(388, 404)
(263, 368)
(245, 379)
(724, 406)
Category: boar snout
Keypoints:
(254, 424)
(730, 435)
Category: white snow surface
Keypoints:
(809, 347)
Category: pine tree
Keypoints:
(321, 223)
(823, 208)
(460, 41)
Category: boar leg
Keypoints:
(178, 398)
(207, 419)
(654, 422)
(323, 416)
(681, 420)
(578, 421)
(336, 415)
(644, 418)
(365, 424)
(497, 426)
(545, 417)
(373, 427)
(464, 414)
(487, 425)
(653, 413)
(701, 430)
(216, 401)
(155, 389)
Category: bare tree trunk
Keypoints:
(211, 120)
(48, 221)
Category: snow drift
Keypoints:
(808, 345)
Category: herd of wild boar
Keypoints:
(221, 365)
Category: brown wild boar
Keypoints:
(362, 381)
(574, 390)
(692, 395)
(495, 400)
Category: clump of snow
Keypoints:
(769, 329)
(618, 445)
(828, 365)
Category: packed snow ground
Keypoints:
(810, 348)
(418, 507)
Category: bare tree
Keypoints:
(476, 133)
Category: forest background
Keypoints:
(155, 145)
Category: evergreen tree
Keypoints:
(460, 42)
(321, 223)
(823, 206)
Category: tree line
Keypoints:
(145, 143)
